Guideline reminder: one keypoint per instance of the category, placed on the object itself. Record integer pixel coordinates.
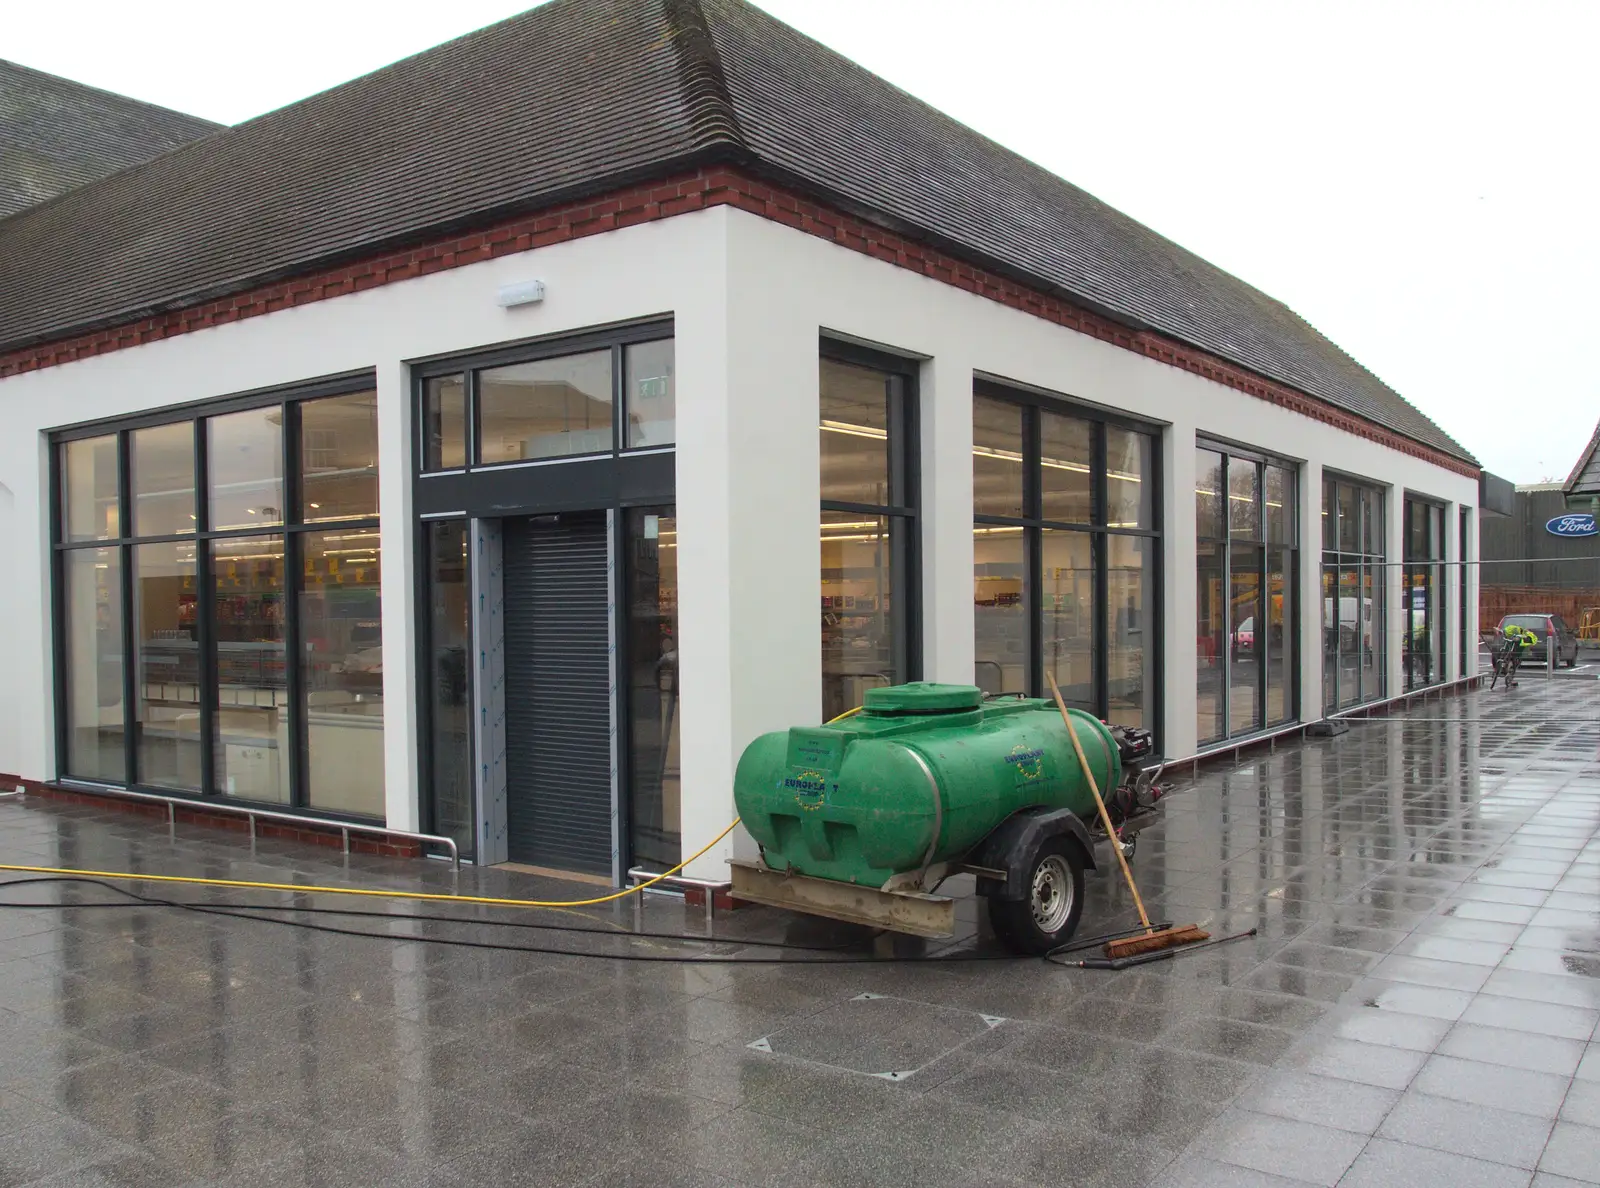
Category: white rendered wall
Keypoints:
(640, 272)
(750, 298)
(853, 295)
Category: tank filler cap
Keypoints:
(922, 697)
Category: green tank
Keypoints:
(921, 775)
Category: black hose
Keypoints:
(137, 900)
(371, 915)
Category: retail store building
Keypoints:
(450, 448)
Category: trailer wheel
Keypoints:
(1048, 913)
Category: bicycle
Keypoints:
(1505, 656)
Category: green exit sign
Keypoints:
(655, 387)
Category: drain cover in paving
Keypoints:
(878, 1036)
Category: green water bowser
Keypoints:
(928, 779)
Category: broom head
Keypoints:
(1166, 938)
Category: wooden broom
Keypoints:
(1153, 938)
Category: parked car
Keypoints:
(1542, 625)
(1354, 622)
(1244, 638)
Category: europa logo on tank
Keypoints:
(1573, 525)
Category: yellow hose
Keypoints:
(428, 896)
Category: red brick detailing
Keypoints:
(721, 900)
(198, 814)
(720, 186)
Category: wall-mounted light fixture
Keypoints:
(521, 293)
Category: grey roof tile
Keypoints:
(580, 96)
(1585, 476)
(56, 134)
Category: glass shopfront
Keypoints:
(1422, 611)
(1246, 540)
(651, 606)
(869, 525)
(548, 647)
(1065, 548)
(1354, 594)
(252, 540)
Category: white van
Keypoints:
(1355, 615)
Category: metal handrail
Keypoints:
(638, 875)
(1237, 745)
(345, 828)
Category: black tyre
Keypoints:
(1048, 914)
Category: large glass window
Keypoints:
(550, 402)
(1000, 612)
(251, 705)
(450, 684)
(1422, 641)
(855, 434)
(162, 461)
(1247, 663)
(651, 395)
(1069, 613)
(1130, 616)
(250, 665)
(89, 495)
(997, 458)
(867, 431)
(1066, 476)
(166, 646)
(653, 717)
(92, 594)
(444, 423)
(1354, 643)
(244, 454)
(339, 458)
(1064, 555)
(1211, 640)
(341, 670)
(1130, 496)
(1465, 631)
(552, 408)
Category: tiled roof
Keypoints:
(1585, 476)
(581, 96)
(56, 134)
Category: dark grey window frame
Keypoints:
(905, 490)
(1292, 624)
(615, 339)
(289, 398)
(1436, 511)
(1466, 636)
(1338, 558)
(606, 481)
(1033, 526)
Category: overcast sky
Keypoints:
(1416, 178)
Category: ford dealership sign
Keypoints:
(1573, 525)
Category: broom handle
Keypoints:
(1105, 817)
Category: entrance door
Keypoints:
(558, 647)
(651, 656)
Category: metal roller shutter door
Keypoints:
(558, 694)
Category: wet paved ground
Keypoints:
(1419, 1008)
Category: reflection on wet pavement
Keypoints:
(1419, 1007)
